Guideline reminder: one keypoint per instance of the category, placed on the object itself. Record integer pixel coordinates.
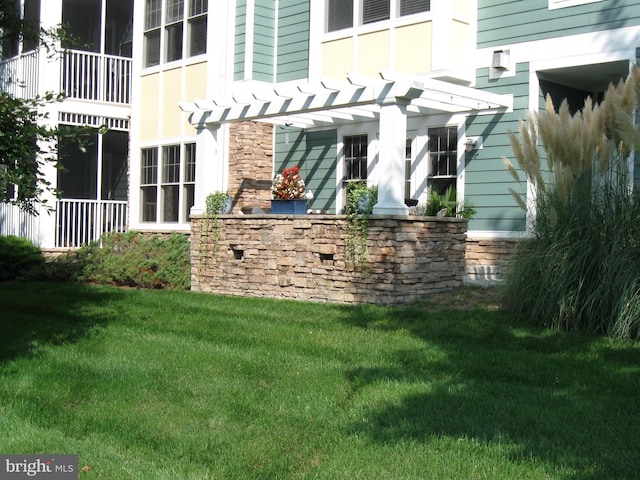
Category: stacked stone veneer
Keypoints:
(486, 258)
(303, 257)
(250, 165)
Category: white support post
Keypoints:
(391, 161)
(211, 164)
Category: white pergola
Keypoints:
(390, 100)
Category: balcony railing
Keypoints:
(92, 76)
(19, 75)
(18, 223)
(80, 222)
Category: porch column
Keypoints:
(391, 161)
(211, 165)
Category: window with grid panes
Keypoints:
(339, 13)
(407, 168)
(355, 157)
(189, 183)
(443, 155)
(165, 42)
(149, 184)
(197, 25)
(170, 189)
(152, 22)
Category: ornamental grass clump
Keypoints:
(288, 185)
(580, 267)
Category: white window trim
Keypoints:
(556, 4)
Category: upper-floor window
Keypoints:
(166, 27)
(340, 13)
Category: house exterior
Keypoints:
(94, 74)
(408, 95)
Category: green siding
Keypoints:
(315, 153)
(487, 180)
(264, 40)
(293, 40)
(514, 21)
(240, 40)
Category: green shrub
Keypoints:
(140, 260)
(19, 258)
(447, 205)
(580, 268)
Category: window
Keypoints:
(189, 185)
(409, 7)
(197, 27)
(339, 15)
(173, 200)
(443, 155)
(407, 169)
(375, 10)
(340, 12)
(355, 157)
(148, 184)
(172, 36)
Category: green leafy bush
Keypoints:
(19, 258)
(447, 205)
(580, 268)
(141, 260)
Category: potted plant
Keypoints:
(288, 192)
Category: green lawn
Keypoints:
(148, 384)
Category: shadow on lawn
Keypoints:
(37, 314)
(564, 399)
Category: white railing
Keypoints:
(80, 222)
(16, 222)
(92, 76)
(19, 75)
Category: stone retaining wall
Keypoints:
(485, 259)
(303, 257)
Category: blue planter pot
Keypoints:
(289, 207)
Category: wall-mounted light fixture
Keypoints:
(473, 143)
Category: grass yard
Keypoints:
(173, 385)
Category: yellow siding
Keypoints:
(413, 48)
(149, 106)
(460, 43)
(462, 7)
(171, 113)
(373, 53)
(337, 58)
(196, 82)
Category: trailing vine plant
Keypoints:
(216, 203)
(360, 202)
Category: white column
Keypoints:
(211, 164)
(391, 161)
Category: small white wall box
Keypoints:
(500, 60)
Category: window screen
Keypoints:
(339, 14)
(375, 10)
(408, 7)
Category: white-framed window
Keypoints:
(165, 38)
(443, 158)
(555, 4)
(355, 157)
(340, 13)
(167, 183)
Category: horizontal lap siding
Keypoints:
(487, 180)
(293, 40)
(315, 153)
(264, 40)
(240, 40)
(503, 22)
